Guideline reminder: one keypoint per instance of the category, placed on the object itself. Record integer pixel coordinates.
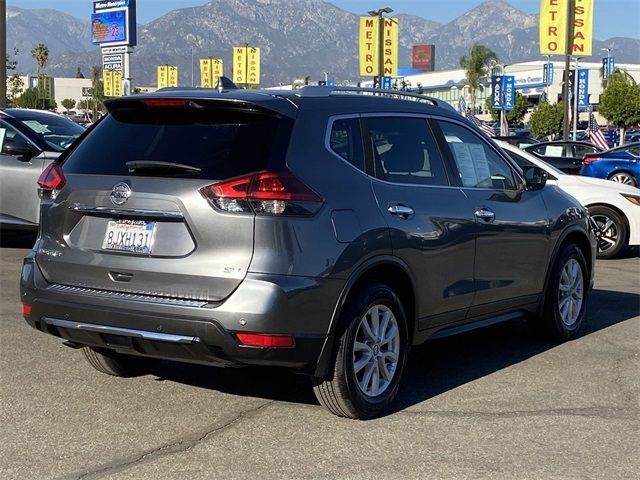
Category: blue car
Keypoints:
(620, 164)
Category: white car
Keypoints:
(613, 207)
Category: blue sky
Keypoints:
(612, 17)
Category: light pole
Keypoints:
(576, 80)
(326, 77)
(547, 85)
(192, 65)
(378, 13)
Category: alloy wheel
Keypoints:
(376, 350)
(607, 232)
(623, 178)
(570, 292)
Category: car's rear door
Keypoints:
(430, 221)
(131, 216)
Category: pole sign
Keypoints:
(553, 27)
(508, 92)
(547, 73)
(496, 92)
(583, 89)
(386, 83)
(44, 86)
(210, 72)
(113, 22)
(167, 76)
(611, 66)
(246, 65)
(368, 41)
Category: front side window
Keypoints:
(405, 151)
(479, 166)
(8, 135)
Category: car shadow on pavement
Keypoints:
(433, 368)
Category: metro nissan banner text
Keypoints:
(553, 27)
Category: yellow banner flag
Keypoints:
(553, 26)
(239, 65)
(112, 81)
(162, 76)
(172, 76)
(117, 83)
(210, 72)
(253, 66)
(583, 28)
(368, 46)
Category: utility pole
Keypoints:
(567, 67)
(3, 53)
(379, 13)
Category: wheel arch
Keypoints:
(618, 211)
(386, 269)
(578, 237)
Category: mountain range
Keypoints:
(297, 39)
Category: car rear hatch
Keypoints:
(128, 215)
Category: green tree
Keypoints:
(620, 101)
(546, 120)
(29, 99)
(97, 91)
(12, 64)
(68, 103)
(40, 54)
(513, 116)
(476, 66)
(16, 86)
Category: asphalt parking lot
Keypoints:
(495, 403)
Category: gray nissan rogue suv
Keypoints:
(325, 230)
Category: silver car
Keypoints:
(29, 141)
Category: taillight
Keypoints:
(26, 309)
(266, 193)
(51, 179)
(263, 340)
(589, 160)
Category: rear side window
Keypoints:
(345, 141)
(405, 151)
(222, 143)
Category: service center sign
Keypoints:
(553, 27)
(368, 42)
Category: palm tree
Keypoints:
(40, 54)
(476, 67)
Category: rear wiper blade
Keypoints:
(134, 165)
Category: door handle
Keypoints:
(486, 214)
(400, 210)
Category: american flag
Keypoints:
(595, 135)
(481, 125)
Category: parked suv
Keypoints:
(325, 230)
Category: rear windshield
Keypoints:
(222, 143)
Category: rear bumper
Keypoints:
(300, 307)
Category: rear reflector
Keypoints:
(266, 193)
(52, 178)
(26, 309)
(165, 103)
(589, 160)
(262, 340)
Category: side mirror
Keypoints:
(19, 149)
(535, 177)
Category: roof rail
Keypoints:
(310, 91)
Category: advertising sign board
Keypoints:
(210, 72)
(508, 92)
(553, 27)
(113, 22)
(496, 92)
(246, 65)
(112, 83)
(583, 89)
(423, 57)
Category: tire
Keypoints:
(362, 351)
(565, 300)
(118, 364)
(624, 177)
(611, 233)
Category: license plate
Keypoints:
(135, 236)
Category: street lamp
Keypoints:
(378, 13)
